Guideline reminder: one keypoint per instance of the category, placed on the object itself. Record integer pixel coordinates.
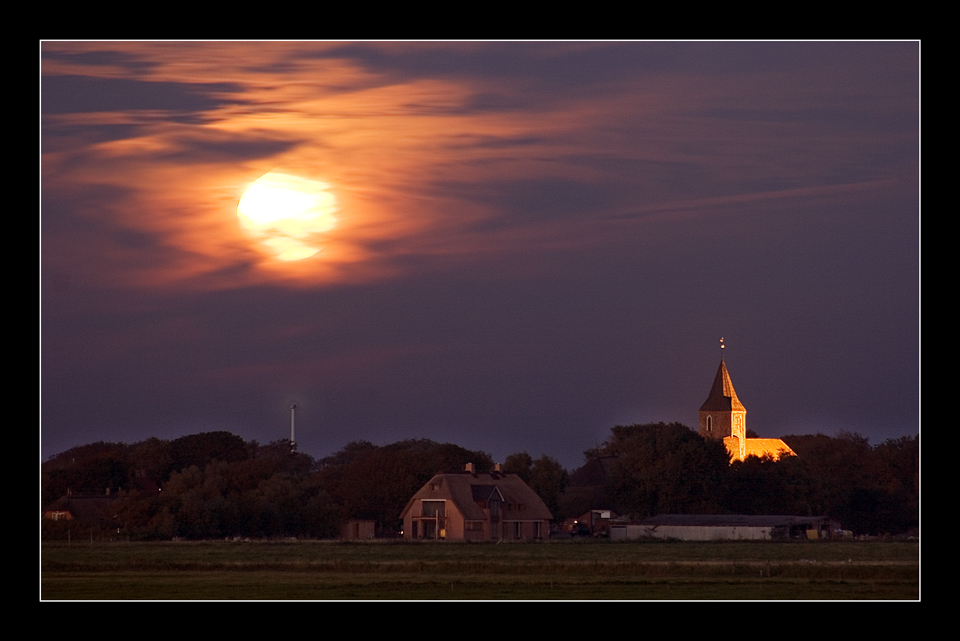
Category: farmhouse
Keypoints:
(715, 527)
(475, 507)
(723, 416)
(88, 510)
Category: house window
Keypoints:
(517, 529)
(432, 508)
(413, 530)
(473, 525)
(538, 530)
(494, 507)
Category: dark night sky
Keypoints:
(533, 242)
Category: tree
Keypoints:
(662, 468)
(520, 464)
(371, 482)
(87, 469)
(549, 480)
(870, 490)
(199, 449)
(768, 486)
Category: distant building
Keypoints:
(358, 529)
(723, 416)
(592, 523)
(476, 507)
(715, 527)
(91, 511)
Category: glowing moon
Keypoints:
(287, 212)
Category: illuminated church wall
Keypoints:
(723, 416)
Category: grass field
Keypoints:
(571, 570)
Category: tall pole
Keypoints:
(293, 421)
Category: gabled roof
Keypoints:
(90, 509)
(467, 489)
(722, 395)
(486, 493)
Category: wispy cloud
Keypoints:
(421, 155)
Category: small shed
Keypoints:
(357, 529)
(593, 523)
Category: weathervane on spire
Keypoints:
(721, 348)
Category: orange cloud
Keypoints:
(178, 132)
(378, 144)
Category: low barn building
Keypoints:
(476, 507)
(716, 527)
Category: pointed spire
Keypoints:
(722, 395)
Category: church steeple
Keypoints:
(723, 417)
(722, 395)
(722, 414)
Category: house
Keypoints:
(91, 511)
(716, 527)
(474, 506)
(723, 416)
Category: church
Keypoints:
(723, 416)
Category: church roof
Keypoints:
(722, 395)
(775, 448)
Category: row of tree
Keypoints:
(645, 470)
(215, 485)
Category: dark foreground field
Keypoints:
(577, 570)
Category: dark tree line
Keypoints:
(207, 485)
(215, 485)
(645, 470)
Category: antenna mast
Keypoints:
(293, 422)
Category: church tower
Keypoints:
(722, 415)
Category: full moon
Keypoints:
(287, 213)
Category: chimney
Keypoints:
(469, 468)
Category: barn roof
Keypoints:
(737, 520)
